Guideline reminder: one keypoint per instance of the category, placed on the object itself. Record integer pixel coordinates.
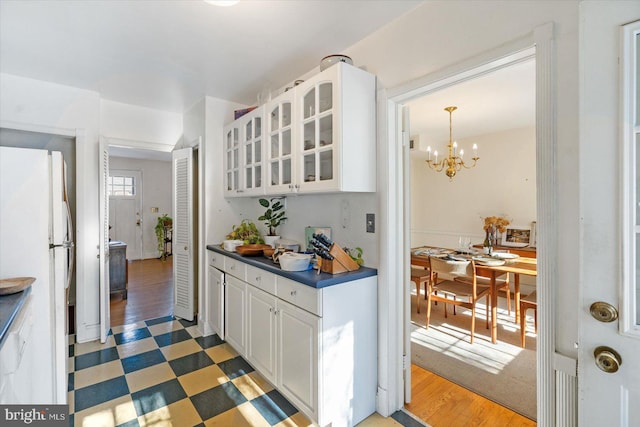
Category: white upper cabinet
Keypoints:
(279, 163)
(232, 159)
(320, 138)
(244, 148)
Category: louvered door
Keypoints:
(103, 249)
(183, 250)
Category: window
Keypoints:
(630, 125)
(121, 186)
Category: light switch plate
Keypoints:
(371, 223)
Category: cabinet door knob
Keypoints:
(293, 293)
(257, 278)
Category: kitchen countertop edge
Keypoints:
(10, 306)
(309, 278)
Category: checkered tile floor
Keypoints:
(162, 372)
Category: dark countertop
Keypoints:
(309, 278)
(10, 306)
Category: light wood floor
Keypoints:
(150, 292)
(442, 403)
(434, 399)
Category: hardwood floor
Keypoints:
(150, 292)
(440, 402)
(434, 399)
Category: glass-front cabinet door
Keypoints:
(252, 146)
(232, 159)
(279, 162)
(317, 147)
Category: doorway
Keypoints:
(496, 112)
(146, 194)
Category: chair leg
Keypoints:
(418, 295)
(473, 321)
(535, 319)
(454, 306)
(428, 312)
(486, 304)
(509, 300)
(523, 323)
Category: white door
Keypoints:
(297, 355)
(183, 250)
(103, 246)
(215, 311)
(125, 210)
(610, 215)
(234, 311)
(261, 332)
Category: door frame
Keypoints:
(394, 247)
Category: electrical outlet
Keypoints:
(371, 223)
(154, 210)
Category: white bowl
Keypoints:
(287, 244)
(230, 245)
(290, 261)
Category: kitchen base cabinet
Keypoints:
(215, 302)
(298, 357)
(313, 344)
(261, 332)
(235, 313)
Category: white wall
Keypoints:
(41, 104)
(156, 192)
(140, 124)
(503, 183)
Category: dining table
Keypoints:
(516, 266)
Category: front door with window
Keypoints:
(609, 347)
(125, 210)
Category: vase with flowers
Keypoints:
(494, 226)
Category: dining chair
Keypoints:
(455, 282)
(420, 276)
(530, 301)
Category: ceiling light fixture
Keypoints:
(453, 162)
(223, 3)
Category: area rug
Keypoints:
(503, 372)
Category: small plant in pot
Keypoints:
(272, 217)
(164, 221)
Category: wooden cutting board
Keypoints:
(15, 285)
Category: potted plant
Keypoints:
(164, 221)
(272, 217)
(247, 232)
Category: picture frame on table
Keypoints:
(517, 236)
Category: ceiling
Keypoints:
(498, 101)
(169, 54)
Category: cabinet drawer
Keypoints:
(235, 268)
(305, 297)
(261, 279)
(216, 260)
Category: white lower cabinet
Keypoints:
(315, 345)
(215, 301)
(297, 355)
(235, 308)
(261, 332)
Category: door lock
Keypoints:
(603, 312)
(607, 359)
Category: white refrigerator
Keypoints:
(36, 240)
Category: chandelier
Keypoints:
(454, 162)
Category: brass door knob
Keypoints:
(607, 359)
(603, 312)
